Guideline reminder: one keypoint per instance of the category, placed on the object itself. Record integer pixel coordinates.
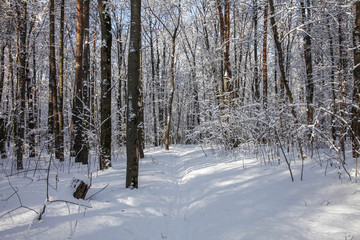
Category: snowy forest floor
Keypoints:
(187, 193)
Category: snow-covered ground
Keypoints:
(187, 193)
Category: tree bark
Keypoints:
(31, 89)
(132, 148)
(356, 91)
(256, 88)
(2, 70)
(172, 76)
(78, 117)
(171, 94)
(306, 14)
(265, 74)
(53, 106)
(105, 100)
(61, 83)
(21, 70)
(86, 77)
(224, 20)
(153, 79)
(141, 130)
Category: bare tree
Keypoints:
(61, 82)
(105, 100)
(306, 14)
(132, 141)
(19, 123)
(265, 70)
(78, 119)
(356, 91)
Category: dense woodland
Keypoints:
(81, 77)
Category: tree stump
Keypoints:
(80, 188)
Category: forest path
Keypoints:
(187, 194)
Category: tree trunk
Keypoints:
(2, 70)
(141, 130)
(153, 78)
(61, 83)
(356, 91)
(305, 13)
(172, 78)
(2, 117)
(343, 64)
(79, 84)
(105, 100)
(31, 83)
(132, 148)
(120, 56)
(21, 70)
(256, 88)
(86, 77)
(171, 95)
(53, 107)
(265, 74)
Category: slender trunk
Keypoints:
(105, 100)
(120, 55)
(86, 77)
(152, 57)
(356, 91)
(141, 131)
(171, 95)
(79, 83)
(2, 70)
(61, 83)
(265, 74)
(342, 82)
(305, 13)
(93, 98)
(21, 73)
(256, 88)
(2, 117)
(31, 105)
(132, 143)
(53, 107)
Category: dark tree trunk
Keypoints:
(343, 65)
(141, 130)
(19, 127)
(2, 70)
(356, 91)
(31, 105)
(86, 78)
(256, 89)
(105, 100)
(2, 117)
(153, 79)
(53, 107)
(79, 84)
(265, 74)
(61, 83)
(305, 13)
(132, 148)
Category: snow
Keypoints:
(185, 195)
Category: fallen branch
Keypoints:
(89, 198)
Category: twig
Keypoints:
(96, 192)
